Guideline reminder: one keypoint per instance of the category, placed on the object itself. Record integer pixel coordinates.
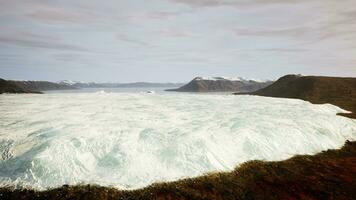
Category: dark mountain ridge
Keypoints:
(42, 85)
(118, 85)
(13, 87)
(10, 86)
(218, 84)
(315, 89)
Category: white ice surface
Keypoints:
(132, 140)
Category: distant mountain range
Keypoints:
(198, 84)
(222, 84)
(42, 85)
(118, 85)
(16, 86)
(9, 86)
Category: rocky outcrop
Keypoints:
(218, 84)
(13, 87)
(316, 89)
(10, 86)
(42, 85)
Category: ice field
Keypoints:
(130, 140)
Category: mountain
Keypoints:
(42, 85)
(316, 89)
(12, 87)
(221, 84)
(118, 85)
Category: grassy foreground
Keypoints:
(327, 175)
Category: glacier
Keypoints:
(130, 140)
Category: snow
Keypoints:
(130, 140)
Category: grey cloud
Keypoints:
(66, 57)
(155, 15)
(166, 15)
(233, 3)
(287, 32)
(126, 38)
(202, 2)
(9, 56)
(309, 34)
(25, 39)
(175, 33)
(283, 50)
(49, 14)
(132, 36)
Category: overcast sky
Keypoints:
(175, 40)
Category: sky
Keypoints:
(175, 40)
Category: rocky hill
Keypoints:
(220, 84)
(42, 85)
(316, 89)
(13, 87)
(10, 86)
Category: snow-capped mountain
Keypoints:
(80, 84)
(222, 84)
